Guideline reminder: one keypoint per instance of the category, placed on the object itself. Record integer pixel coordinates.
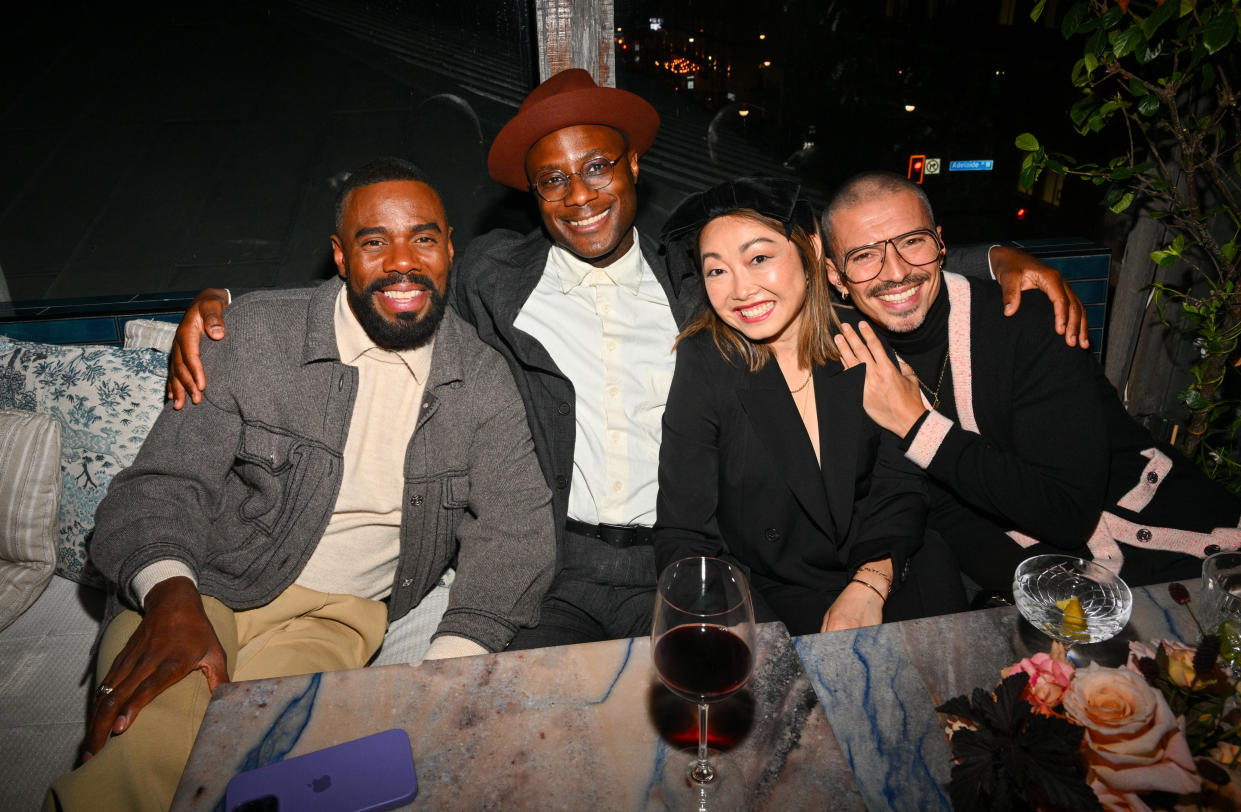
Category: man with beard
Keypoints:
(1027, 446)
(585, 312)
(357, 439)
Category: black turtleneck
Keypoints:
(925, 348)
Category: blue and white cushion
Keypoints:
(106, 399)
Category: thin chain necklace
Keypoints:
(803, 385)
(933, 394)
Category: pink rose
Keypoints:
(1134, 743)
(1049, 678)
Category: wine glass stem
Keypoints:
(702, 771)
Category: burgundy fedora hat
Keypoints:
(567, 99)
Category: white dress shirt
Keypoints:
(610, 331)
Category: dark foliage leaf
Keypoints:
(1217, 33)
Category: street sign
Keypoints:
(932, 166)
(971, 166)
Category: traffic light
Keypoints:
(917, 163)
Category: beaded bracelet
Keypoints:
(880, 573)
(882, 596)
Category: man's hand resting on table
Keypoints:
(1017, 271)
(185, 369)
(174, 638)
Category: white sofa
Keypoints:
(70, 418)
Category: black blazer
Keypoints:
(738, 479)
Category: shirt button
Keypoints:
(1152, 477)
(564, 408)
(562, 481)
(408, 582)
(616, 486)
(1211, 549)
(1144, 535)
(416, 500)
(771, 534)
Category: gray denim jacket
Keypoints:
(241, 486)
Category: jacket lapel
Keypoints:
(775, 421)
(838, 396)
(513, 278)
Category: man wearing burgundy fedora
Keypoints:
(585, 313)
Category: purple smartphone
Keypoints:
(364, 775)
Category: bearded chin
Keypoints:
(410, 330)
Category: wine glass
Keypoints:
(702, 642)
(1071, 599)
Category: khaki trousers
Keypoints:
(300, 632)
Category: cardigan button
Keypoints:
(562, 481)
(771, 534)
(1211, 549)
(1152, 477)
(564, 408)
(1144, 535)
(408, 582)
(416, 500)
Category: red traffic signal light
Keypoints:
(917, 163)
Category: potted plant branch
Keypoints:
(1157, 79)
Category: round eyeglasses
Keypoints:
(553, 185)
(918, 247)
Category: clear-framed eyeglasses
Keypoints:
(918, 247)
(553, 185)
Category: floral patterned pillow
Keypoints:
(106, 400)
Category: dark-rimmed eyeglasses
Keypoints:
(921, 246)
(553, 185)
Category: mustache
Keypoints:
(880, 288)
(394, 278)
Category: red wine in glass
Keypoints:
(702, 641)
(703, 662)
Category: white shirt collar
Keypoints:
(572, 271)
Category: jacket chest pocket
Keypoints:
(269, 469)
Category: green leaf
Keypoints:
(1123, 203)
(1096, 43)
(1027, 142)
(1128, 40)
(1029, 174)
(1187, 6)
(1112, 16)
(1090, 62)
(1217, 33)
(1037, 11)
(1163, 259)
(1148, 105)
(1178, 245)
(1072, 20)
(1161, 15)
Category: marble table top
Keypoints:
(573, 727)
(880, 685)
(591, 727)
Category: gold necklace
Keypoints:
(803, 385)
(934, 393)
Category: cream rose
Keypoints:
(1134, 743)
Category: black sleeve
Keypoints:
(686, 522)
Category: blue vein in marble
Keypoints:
(283, 734)
(624, 664)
